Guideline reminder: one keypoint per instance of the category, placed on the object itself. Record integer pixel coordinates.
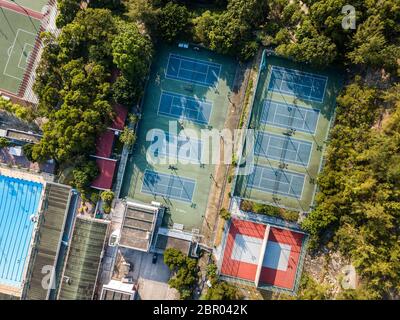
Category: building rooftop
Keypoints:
(10, 122)
(47, 242)
(105, 178)
(117, 290)
(121, 114)
(138, 226)
(83, 259)
(105, 143)
(167, 238)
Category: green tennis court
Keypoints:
(190, 89)
(283, 148)
(292, 112)
(17, 40)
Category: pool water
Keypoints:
(19, 200)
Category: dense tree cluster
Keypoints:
(219, 290)
(307, 31)
(73, 81)
(359, 193)
(312, 31)
(24, 113)
(67, 9)
(227, 29)
(83, 174)
(232, 31)
(185, 271)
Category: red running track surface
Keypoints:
(22, 10)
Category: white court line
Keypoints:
(182, 79)
(28, 57)
(194, 144)
(194, 71)
(13, 46)
(269, 103)
(307, 97)
(301, 74)
(191, 79)
(284, 172)
(171, 177)
(298, 72)
(199, 61)
(171, 116)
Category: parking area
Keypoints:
(152, 278)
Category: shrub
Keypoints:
(94, 197)
(225, 214)
(4, 142)
(173, 21)
(106, 208)
(185, 272)
(222, 290)
(246, 205)
(107, 196)
(126, 92)
(83, 175)
(211, 271)
(27, 149)
(128, 136)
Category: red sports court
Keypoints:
(267, 255)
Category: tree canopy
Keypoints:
(73, 81)
(359, 186)
(132, 52)
(185, 272)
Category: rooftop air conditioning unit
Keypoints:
(67, 280)
(178, 226)
(114, 238)
(16, 151)
(155, 204)
(127, 280)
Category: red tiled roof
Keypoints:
(121, 114)
(104, 144)
(105, 178)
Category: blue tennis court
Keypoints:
(19, 199)
(282, 148)
(289, 116)
(304, 85)
(168, 185)
(178, 147)
(184, 107)
(277, 181)
(193, 70)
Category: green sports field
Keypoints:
(186, 76)
(17, 40)
(292, 112)
(36, 5)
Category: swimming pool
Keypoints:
(19, 199)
